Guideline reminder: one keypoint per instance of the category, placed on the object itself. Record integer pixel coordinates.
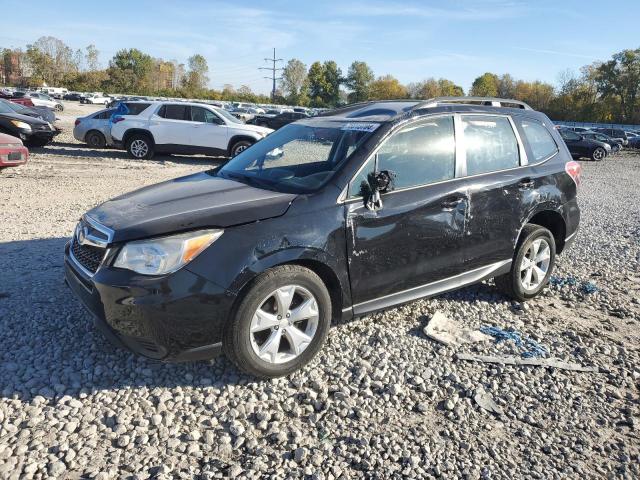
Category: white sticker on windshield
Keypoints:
(360, 127)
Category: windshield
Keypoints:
(298, 158)
(227, 116)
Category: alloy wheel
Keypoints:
(284, 324)
(535, 264)
(599, 154)
(139, 148)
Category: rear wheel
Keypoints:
(140, 147)
(280, 324)
(532, 264)
(95, 140)
(598, 154)
(240, 146)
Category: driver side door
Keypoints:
(208, 132)
(416, 238)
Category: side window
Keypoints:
(569, 135)
(200, 114)
(539, 139)
(420, 153)
(490, 143)
(175, 112)
(137, 108)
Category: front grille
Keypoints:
(88, 256)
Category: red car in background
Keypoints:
(12, 151)
(26, 101)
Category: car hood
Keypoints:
(256, 128)
(195, 201)
(23, 118)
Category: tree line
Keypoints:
(607, 91)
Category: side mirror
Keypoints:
(377, 183)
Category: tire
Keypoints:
(140, 147)
(243, 346)
(513, 284)
(59, 107)
(598, 154)
(240, 146)
(95, 139)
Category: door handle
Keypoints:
(526, 183)
(450, 203)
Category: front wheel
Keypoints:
(598, 154)
(280, 324)
(59, 107)
(532, 264)
(240, 146)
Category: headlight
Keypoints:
(22, 125)
(165, 255)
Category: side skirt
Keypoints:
(434, 288)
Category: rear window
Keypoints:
(539, 139)
(490, 143)
(104, 115)
(136, 108)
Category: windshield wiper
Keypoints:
(252, 181)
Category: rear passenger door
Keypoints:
(498, 182)
(171, 125)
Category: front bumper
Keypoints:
(176, 317)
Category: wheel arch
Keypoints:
(553, 221)
(136, 131)
(236, 138)
(314, 260)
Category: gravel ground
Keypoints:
(380, 401)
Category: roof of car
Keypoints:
(391, 110)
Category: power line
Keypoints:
(273, 69)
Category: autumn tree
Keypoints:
(619, 79)
(387, 87)
(486, 85)
(130, 72)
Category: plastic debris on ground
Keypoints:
(448, 332)
(485, 400)
(536, 362)
(533, 348)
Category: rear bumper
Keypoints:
(8, 156)
(177, 317)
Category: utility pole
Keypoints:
(273, 69)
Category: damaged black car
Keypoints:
(335, 216)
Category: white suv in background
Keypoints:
(181, 127)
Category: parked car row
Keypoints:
(591, 144)
(27, 124)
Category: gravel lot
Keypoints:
(381, 400)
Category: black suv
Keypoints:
(358, 210)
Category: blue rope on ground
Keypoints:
(586, 287)
(534, 349)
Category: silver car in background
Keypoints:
(94, 129)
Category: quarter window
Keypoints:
(420, 153)
(539, 139)
(490, 144)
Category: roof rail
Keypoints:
(490, 101)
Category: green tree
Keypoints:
(506, 86)
(431, 88)
(333, 80)
(317, 84)
(130, 72)
(294, 82)
(359, 78)
(486, 85)
(619, 79)
(387, 87)
(198, 75)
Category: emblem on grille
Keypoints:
(82, 235)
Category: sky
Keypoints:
(412, 40)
